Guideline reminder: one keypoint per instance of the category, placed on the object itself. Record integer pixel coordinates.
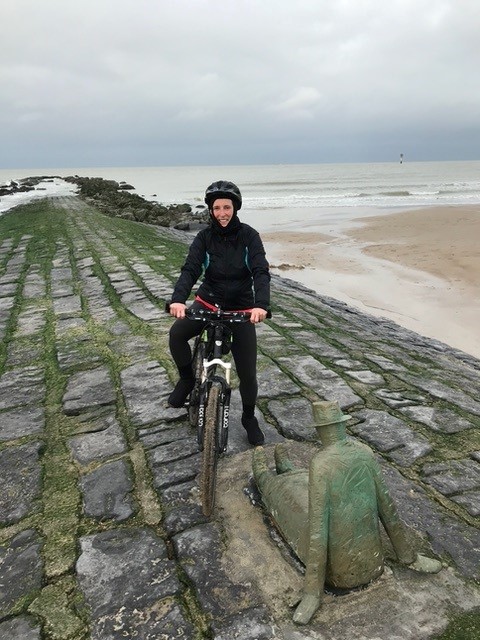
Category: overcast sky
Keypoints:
(91, 83)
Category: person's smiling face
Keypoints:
(222, 211)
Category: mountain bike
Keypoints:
(209, 402)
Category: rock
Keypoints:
(107, 492)
(88, 390)
(113, 199)
(20, 480)
(128, 582)
(20, 628)
(21, 570)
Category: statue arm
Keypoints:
(317, 550)
(397, 532)
(391, 521)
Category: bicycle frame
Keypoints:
(211, 394)
(217, 352)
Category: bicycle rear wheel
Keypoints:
(197, 366)
(208, 474)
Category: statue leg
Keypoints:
(282, 461)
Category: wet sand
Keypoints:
(418, 267)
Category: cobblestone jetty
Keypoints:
(101, 531)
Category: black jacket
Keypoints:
(236, 274)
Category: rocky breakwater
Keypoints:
(24, 185)
(101, 530)
(113, 199)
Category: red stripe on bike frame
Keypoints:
(212, 307)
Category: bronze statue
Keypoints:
(330, 513)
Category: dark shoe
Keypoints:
(182, 390)
(254, 433)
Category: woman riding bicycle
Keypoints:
(236, 277)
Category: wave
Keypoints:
(395, 194)
(363, 198)
(281, 183)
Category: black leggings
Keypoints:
(244, 351)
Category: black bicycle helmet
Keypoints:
(223, 189)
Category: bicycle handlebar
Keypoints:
(225, 316)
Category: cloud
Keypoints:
(300, 104)
(145, 81)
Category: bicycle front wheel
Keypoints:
(208, 474)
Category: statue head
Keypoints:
(329, 421)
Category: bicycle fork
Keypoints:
(209, 378)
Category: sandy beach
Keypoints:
(418, 267)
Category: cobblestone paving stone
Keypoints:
(143, 559)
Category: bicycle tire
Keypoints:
(208, 474)
(197, 366)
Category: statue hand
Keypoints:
(425, 564)
(305, 610)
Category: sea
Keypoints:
(279, 195)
